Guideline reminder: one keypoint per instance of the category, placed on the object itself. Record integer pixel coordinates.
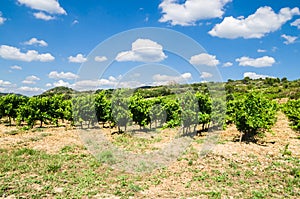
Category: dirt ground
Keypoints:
(52, 140)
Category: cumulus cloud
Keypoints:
(62, 75)
(27, 89)
(100, 58)
(296, 23)
(49, 6)
(5, 83)
(15, 67)
(43, 16)
(2, 19)
(227, 64)
(204, 59)
(258, 62)
(143, 50)
(191, 11)
(257, 25)
(35, 41)
(31, 80)
(79, 58)
(253, 75)
(160, 79)
(205, 75)
(261, 51)
(13, 53)
(288, 39)
(61, 83)
(95, 84)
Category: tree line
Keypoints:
(252, 113)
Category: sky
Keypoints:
(90, 44)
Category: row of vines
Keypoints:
(251, 113)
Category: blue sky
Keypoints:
(50, 43)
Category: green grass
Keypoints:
(74, 173)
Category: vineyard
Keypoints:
(246, 112)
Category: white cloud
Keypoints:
(100, 58)
(2, 19)
(30, 89)
(204, 59)
(15, 67)
(205, 75)
(49, 6)
(257, 25)
(61, 83)
(261, 51)
(62, 75)
(35, 41)
(296, 23)
(5, 83)
(167, 79)
(10, 52)
(227, 64)
(258, 62)
(48, 85)
(288, 39)
(79, 58)
(43, 16)
(143, 50)
(75, 22)
(253, 75)
(31, 80)
(95, 84)
(191, 11)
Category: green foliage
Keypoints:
(84, 110)
(189, 110)
(102, 107)
(205, 108)
(10, 104)
(140, 109)
(120, 108)
(157, 113)
(173, 111)
(292, 111)
(36, 109)
(254, 114)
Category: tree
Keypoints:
(36, 109)
(140, 108)
(254, 114)
(189, 111)
(59, 108)
(292, 111)
(172, 109)
(102, 106)
(10, 105)
(157, 113)
(120, 109)
(205, 108)
(84, 110)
